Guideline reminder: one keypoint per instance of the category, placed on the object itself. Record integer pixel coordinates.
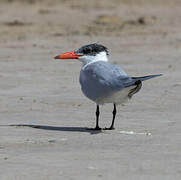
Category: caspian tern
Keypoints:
(101, 81)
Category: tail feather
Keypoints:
(143, 78)
(137, 81)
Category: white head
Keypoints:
(87, 54)
(86, 59)
(92, 53)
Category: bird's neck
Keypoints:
(86, 60)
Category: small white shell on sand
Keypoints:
(92, 167)
(135, 133)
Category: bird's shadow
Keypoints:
(58, 128)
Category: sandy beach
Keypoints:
(43, 113)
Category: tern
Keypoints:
(103, 82)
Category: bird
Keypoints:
(103, 82)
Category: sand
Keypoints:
(44, 115)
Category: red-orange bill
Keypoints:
(68, 55)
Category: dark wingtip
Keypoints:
(143, 78)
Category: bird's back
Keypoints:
(101, 79)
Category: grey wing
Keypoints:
(101, 79)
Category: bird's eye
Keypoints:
(86, 51)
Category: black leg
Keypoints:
(114, 115)
(97, 118)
